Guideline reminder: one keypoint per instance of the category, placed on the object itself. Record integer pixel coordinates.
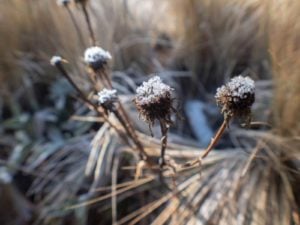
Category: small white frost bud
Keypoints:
(55, 60)
(107, 97)
(96, 57)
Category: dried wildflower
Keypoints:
(55, 60)
(63, 2)
(237, 96)
(153, 101)
(96, 57)
(107, 98)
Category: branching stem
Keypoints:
(122, 114)
(60, 67)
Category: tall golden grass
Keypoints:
(220, 39)
(35, 30)
(284, 48)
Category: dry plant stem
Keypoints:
(103, 74)
(164, 140)
(122, 114)
(88, 21)
(65, 74)
(95, 81)
(217, 137)
(104, 78)
(79, 34)
(164, 131)
(139, 146)
(213, 142)
(130, 128)
(60, 67)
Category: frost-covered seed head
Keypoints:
(55, 60)
(63, 2)
(107, 97)
(96, 57)
(237, 96)
(153, 100)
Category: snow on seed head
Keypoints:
(107, 97)
(96, 57)
(153, 100)
(237, 96)
(55, 60)
(151, 90)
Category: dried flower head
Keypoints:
(63, 2)
(237, 96)
(96, 57)
(107, 98)
(153, 101)
(55, 60)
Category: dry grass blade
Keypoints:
(285, 52)
(107, 196)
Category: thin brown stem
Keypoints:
(88, 21)
(164, 132)
(138, 145)
(102, 76)
(122, 112)
(213, 142)
(79, 34)
(216, 139)
(60, 67)
(164, 140)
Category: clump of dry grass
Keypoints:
(47, 29)
(220, 39)
(238, 189)
(231, 187)
(284, 48)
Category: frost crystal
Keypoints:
(151, 90)
(96, 57)
(153, 101)
(55, 59)
(241, 86)
(237, 96)
(107, 96)
(63, 2)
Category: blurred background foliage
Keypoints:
(47, 134)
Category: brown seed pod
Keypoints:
(237, 96)
(154, 102)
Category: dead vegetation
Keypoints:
(63, 164)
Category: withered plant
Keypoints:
(154, 102)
